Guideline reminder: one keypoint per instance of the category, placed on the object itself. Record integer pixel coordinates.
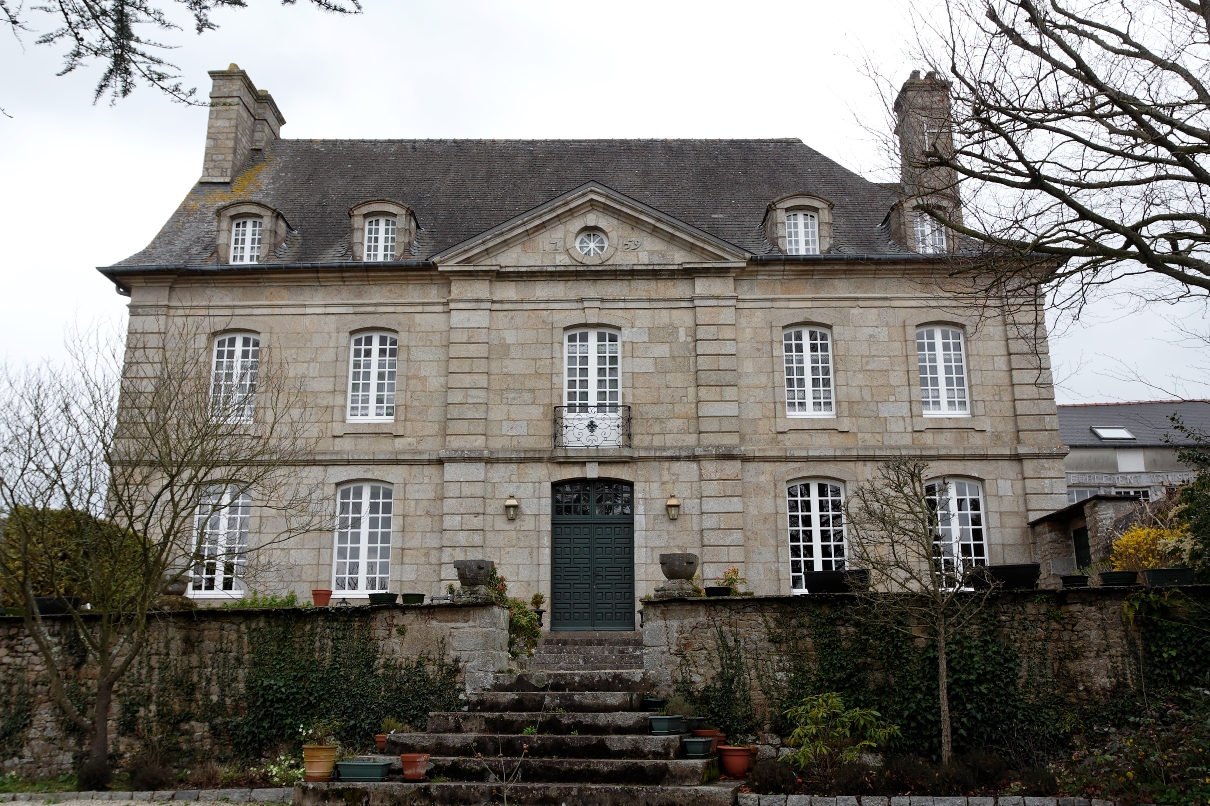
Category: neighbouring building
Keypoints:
(522, 350)
(1128, 449)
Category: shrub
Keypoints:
(954, 779)
(1141, 548)
(1039, 782)
(523, 629)
(855, 778)
(773, 778)
(827, 734)
(93, 776)
(148, 774)
(989, 769)
(903, 774)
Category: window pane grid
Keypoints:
(245, 241)
(361, 560)
(816, 526)
(233, 383)
(960, 543)
(373, 363)
(808, 351)
(380, 239)
(942, 371)
(222, 541)
(930, 234)
(802, 234)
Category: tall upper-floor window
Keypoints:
(807, 353)
(220, 555)
(802, 233)
(942, 363)
(361, 562)
(930, 234)
(373, 360)
(593, 414)
(245, 240)
(233, 381)
(961, 539)
(380, 238)
(816, 520)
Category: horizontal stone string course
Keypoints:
(276, 795)
(916, 800)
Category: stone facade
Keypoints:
(481, 329)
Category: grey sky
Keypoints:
(85, 185)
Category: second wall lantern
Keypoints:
(510, 508)
(674, 507)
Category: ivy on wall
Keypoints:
(18, 713)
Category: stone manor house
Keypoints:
(570, 356)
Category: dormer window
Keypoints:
(381, 231)
(1112, 432)
(800, 224)
(930, 234)
(802, 233)
(380, 238)
(245, 240)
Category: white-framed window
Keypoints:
(1077, 494)
(233, 381)
(961, 539)
(373, 360)
(221, 553)
(807, 353)
(816, 519)
(942, 362)
(593, 415)
(361, 562)
(380, 238)
(930, 234)
(802, 233)
(245, 240)
(1144, 494)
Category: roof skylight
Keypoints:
(1111, 432)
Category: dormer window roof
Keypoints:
(1113, 433)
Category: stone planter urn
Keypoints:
(679, 569)
(175, 587)
(473, 573)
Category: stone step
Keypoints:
(589, 638)
(578, 702)
(540, 746)
(643, 772)
(608, 651)
(628, 680)
(571, 663)
(586, 724)
(522, 794)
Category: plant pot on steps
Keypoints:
(362, 770)
(321, 596)
(665, 725)
(698, 746)
(318, 762)
(692, 723)
(652, 703)
(1168, 577)
(380, 739)
(1118, 579)
(414, 765)
(735, 760)
(715, 736)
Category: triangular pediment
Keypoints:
(631, 233)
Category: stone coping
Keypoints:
(916, 800)
(214, 612)
(280, 795)
(1104, 591)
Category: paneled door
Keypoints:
(592, 554)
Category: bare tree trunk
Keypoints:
(98, 748)
(947, 739)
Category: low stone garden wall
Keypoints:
(192, 679)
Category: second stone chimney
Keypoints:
(924, 126)
(243, 119)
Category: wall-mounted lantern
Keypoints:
(674, 507)
(510, 508)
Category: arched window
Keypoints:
(245, 240)
(361, 562)
(380, 238)
(373, 360)
(816, 519)
(808, 364)
(802, 233)
(233, 380)
(961, 541)
(221, 550)
(592, 390)
(942, 363)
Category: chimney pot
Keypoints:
(242, 119)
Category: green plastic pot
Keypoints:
(384, 598)
(665, 725)
(698, 747)
(362, 770)
(1117, 579)
(411, 598)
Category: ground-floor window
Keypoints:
(222, 542)
(362, 557)
(816, 520)
(961, 541)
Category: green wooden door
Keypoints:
(592, 555)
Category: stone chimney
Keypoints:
(243, 119)
(924, 124)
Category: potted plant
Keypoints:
(321, 596)
(1075, 580)
(665, 724)
(319, 751)
(736, 759)
(1012, 577)
(1167, 577)
(837, 581)
(717, 590)
(713, 734)
(731, 580)
(1158, 551)
(651, 703)
(689, 719)
(415, 765)
(698, 746)
(389, 725)
(411, 598)
(383, 598)
(535, 604)
(362, 770)
(1117, 579)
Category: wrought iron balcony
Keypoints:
(587, 426)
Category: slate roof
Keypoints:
(459, 188)
(1147, 421)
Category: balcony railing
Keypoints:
(587, 426)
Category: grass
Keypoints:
(13, 783)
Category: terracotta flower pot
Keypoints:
(321, 596)
(318, 762)
(736, 760)
(715, 736)
(380, 739)
(414, 765)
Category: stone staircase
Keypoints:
(588, 744)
